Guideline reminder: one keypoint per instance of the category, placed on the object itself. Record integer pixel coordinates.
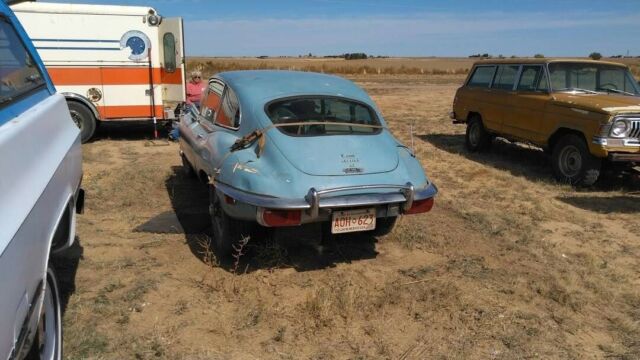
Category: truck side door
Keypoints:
(532, 97)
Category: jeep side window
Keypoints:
(18, 72)
(532, 78)
(506, 77)
(211, 101)
(482, 76)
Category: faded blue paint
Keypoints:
(290, 165)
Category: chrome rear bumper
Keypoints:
(315, 200)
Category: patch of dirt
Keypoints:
(508, 265)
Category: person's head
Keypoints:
(196, 76)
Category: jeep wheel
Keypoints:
(476, 137)
(227, 231)
(83, 118)
(573, 163)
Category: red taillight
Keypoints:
(420, 206)
(280, 217)
(229, 200)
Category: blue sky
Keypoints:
(403, 27)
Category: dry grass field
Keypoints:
(377, 66)
(508, 265)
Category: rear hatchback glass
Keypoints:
(339, 115)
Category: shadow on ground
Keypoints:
(66, 266)
(528, 161)
(302, 248)
(605, 205)
(130, 130)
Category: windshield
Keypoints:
(589, 77)
(18, 72)
(339, 114)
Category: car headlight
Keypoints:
(619, 129)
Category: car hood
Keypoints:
(604, 103)
(331, 155)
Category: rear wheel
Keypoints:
(228, 233)
(84, 119)
(573, 163)
(187, 168)
(477, 138)
(47, 344)
(384, 226)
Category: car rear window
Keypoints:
(482, 76)
(338, 113)
(19, 73)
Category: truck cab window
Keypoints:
(18, 72)
(169, 44)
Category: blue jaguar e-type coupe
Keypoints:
(284, 148)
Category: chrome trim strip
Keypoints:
(313, 202)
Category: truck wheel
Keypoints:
(573, 163)
(83, 118)
(227, 231)
(384, 226)
(477, 138)
(47, 343)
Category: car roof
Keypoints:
(265, 85)
(543, 61)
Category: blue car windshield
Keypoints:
(338, 113)
(18, 72)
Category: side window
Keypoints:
(169, 45)
(18, 71)
(630, 85)
(533, 78)
(543, 83)
(482, 76)
(506, 77)
(558, 77)
(229, 114)
(211, 100)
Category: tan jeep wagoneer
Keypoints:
(583, 112)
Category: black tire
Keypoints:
(384, 226)
(84, 119)
(228, 233)
(187, 168)
(573, 163)
(47, 343)
(477, 138)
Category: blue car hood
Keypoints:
(331, 155)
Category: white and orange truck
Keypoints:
(110, 62)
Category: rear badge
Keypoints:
(353, 170)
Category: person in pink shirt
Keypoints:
(194, 88)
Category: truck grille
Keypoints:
(635, 129)
(634, 122)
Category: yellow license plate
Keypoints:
(353, 220)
